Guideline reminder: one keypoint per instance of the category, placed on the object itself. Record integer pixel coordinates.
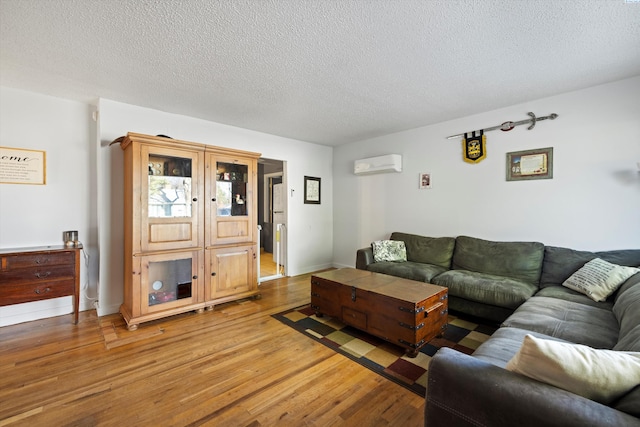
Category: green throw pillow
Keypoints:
(389, 250)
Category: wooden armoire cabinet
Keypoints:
(190, 226)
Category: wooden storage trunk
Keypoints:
(404, 312)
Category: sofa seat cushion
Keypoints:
(407, 270)
(486, 288)
(570, 321)
(504, 344)
(567, 294)
(517, 260)
(427, 250)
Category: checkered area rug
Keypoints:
(381, 356)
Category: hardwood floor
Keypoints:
(234, 366)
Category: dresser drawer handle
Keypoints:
(38, 291)
(42, 275)
(42, 261)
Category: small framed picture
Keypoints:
(424, 181)
(312, 190)
(530, 164)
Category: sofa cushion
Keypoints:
(560, 292)
(627, 310)
(504, 344)
(570, 321)
(630, 341)
(600, 375)
(408, 270)
(427, 250)
(389, 250)
(599, 278)
(630, 283)
(630, 402)
(560, 263)
(486, 288)
(516, 260)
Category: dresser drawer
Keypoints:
(36, 274)
(14, 293)
(11, 262)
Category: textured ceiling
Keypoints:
(324, 71)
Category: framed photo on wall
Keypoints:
(424, 181)
(530, 164)
(312, 190)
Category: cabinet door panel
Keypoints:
(231, 271)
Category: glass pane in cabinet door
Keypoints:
(169, 187)
(231, 191)
(169, 281)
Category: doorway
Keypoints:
(272, 219)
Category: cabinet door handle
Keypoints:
(42, 275)
(195, 277)
(195, 199)
(213, 200)
(213, 274)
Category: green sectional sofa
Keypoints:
(531, 290)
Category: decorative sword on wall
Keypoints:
(507, 126)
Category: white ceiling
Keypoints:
(324, 71)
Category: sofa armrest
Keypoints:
(364, 257)
(465, 391)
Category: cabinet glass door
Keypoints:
(171, 190)
(168, 281)
(230, 200)
(231, 189)
(169, 187)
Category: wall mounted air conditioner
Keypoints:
(380, 164)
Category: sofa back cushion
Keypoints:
(560, 263)
(517, 260)
(627, 311)
(427, 250)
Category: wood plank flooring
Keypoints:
(233, 366)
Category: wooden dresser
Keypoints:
(38, 273)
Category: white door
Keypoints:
(279, 218)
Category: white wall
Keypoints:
(592, 202)
(310, 239)
(37, 215)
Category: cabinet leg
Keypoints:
(200, 310)
(132, 327)
(210, 308)
(258, 296)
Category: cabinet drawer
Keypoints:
(15, 293)
(37, 260)
(38, 274)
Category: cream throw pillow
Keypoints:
(598, 278)
(600, 375)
